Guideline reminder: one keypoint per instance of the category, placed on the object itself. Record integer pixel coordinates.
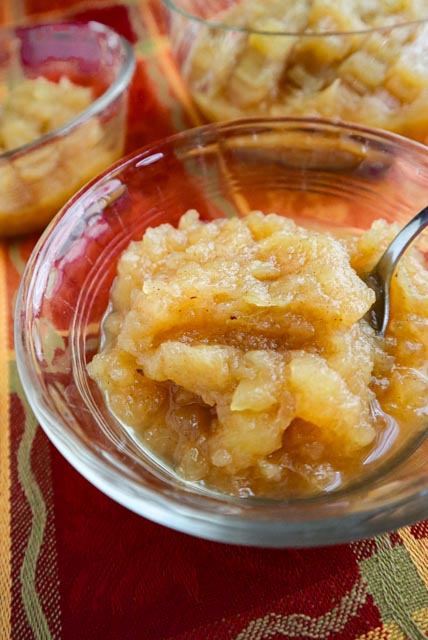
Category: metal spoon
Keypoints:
(379, 279)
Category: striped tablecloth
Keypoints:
(75, 565)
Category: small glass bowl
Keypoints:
(38, 177)
(352, 175)
(251, 58)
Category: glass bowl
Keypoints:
(353, 174)
(251, 58)
(37, 176)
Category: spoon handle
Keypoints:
(387, 264)
(388, 261)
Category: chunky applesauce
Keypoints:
(237, 351)
(36, 183)
(368, 68)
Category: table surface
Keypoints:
(75, 565)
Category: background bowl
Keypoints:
(250, 58)
(313, 170)
(38, 177)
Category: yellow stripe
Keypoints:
(381, 633)
(418, 551)
(171, 71)
(5, 532)
(390, 631)
(421, 618)
(394, 632)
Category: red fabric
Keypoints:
(122, 576)
(154, 119)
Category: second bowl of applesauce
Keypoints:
(359, 61)
(63, 115)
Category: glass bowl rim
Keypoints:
(172, 6)
(97, 106)
(166, 510)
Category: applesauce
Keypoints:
(237, 351)
(366, 68)
(35, 184)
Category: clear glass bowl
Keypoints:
(251, 58)
(353, 174)
(38, 177)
